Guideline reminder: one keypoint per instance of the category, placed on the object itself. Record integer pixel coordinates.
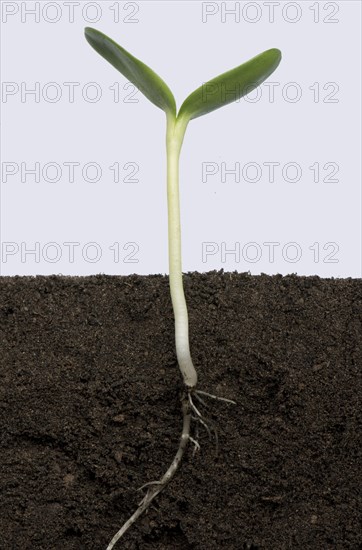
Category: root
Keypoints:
(202, 418)
(199, 392)
(155, 487)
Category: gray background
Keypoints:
(316, 226)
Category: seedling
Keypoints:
(215, 93)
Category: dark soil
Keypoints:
(90, 411)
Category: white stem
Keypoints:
(175, 133)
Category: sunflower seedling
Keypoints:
(225, 88)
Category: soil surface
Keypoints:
(90, 411)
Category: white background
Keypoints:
(121, 227)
